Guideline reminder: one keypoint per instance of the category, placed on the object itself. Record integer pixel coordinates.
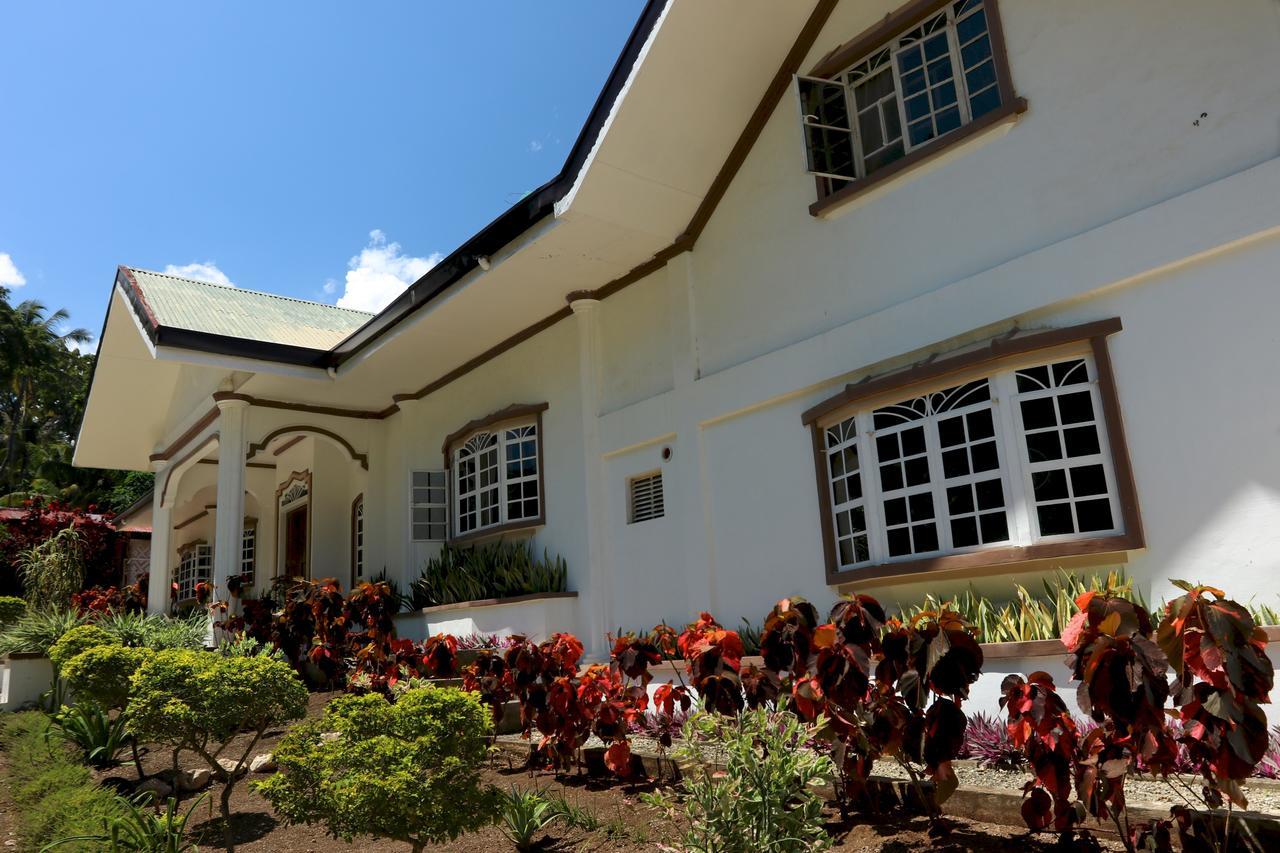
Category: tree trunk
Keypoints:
(226, 816)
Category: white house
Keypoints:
(828, 295)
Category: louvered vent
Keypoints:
(646, 497)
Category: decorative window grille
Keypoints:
(931, 80)
(646, 500)
(249, 554)
(1013, 458)
(195, 566)
(357, 539)
(428, 507)
(496, 478)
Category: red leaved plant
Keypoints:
(1122, 663)
(872, 679)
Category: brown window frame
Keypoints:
(502, 417)
(995, 353)
(873, 38)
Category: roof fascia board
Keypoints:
(535, 232)
(566, 200)
(208, 358)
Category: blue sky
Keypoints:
(323, 150)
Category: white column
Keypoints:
(229, 521)
(161, 535)
(599, 593)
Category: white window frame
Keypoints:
(357, 540)
(903, 42)
(195, 566)
(1016, 471)
(508, 438)
(421, 500)
(249, 552)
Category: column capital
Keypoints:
(582, 301)
(230, 400)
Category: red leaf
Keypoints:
(618, 758)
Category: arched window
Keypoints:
(357, 540)
(497, 472)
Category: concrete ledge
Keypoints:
(536, 616)
(487, 602)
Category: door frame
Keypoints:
(288, 500)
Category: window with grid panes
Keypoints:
(428, 507)
(1016, 457)
(496, 478)
(934, 78)
(195, 565)
(249, 553)
(357, 539)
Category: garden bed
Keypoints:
(991, 795)
(623, 824)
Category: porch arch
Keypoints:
(328, 435)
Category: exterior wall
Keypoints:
(1113, 196)
(543, 369)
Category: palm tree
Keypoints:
(33, 350)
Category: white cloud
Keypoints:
(87, 348)
(9, 274)
(208, 271)
(535, 145)
(379, 273)
(330, 287)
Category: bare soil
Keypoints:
(625, 824)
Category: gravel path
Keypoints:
(1263, 795)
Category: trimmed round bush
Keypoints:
(101, 674)
(408, 771)
(197, 701)
(79, 639)
(11, 609)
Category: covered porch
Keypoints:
(257, 495)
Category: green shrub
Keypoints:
(524, 815)
(197, 702)
(101, 673)
(764, 799)
(155, 631)
(140, 828)
(38, 630)
(497, 570)
(79, 639)
(92, 729)
(408, 771)
(52, 796)
(12, 609)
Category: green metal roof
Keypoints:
(218, 309)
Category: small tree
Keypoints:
(199, 702)
(408, 771)
(53, 570)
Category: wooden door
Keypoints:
(295, 543)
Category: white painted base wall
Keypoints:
(22, 680)
(535, 618)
